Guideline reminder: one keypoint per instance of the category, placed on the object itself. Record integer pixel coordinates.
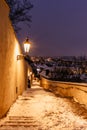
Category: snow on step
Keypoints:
(19, 121)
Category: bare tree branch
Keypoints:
(19, 12)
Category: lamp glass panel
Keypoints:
(26, 47)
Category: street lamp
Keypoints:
(27, 45)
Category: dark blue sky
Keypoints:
(59, 28)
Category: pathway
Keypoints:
(37, 109)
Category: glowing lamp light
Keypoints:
(27, 45)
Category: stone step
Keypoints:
(20, 118)
(23, 98)
(19, 128)
(19, 124)
(19, 121)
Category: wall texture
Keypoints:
(13, 73)
(66, 89)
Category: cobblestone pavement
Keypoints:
(37, 109)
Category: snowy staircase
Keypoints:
(14, 122)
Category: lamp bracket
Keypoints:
(20, 57)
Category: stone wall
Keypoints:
(66, 89)
(13, 73)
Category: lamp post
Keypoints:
(26, 45)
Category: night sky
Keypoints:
(58, 28)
